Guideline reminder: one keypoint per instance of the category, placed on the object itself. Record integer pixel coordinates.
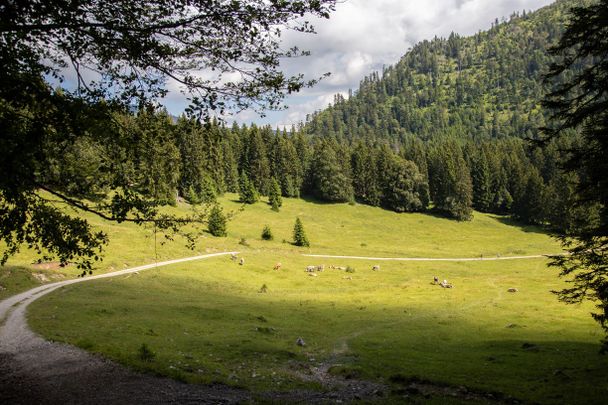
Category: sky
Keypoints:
(361, 37)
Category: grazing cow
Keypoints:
(512, 290)
(277, 266)
(445, 284)
(311, 269)
(321, 267)
(242, 261)
(376, 267)
(341, 268)
(436, 280)
(233, 256)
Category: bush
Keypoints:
(267, 233)
(299, 236)
(145, 353)
(217, 222)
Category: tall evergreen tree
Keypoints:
(247, 192)
(329, 180)
(580, 103)
(217, 221)
(299, 236)
(274, 195)
(451, 189)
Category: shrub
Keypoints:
(267, 233)
(145, 353)
(217, 222)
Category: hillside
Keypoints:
(485, 86)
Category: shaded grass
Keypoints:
(207, 322)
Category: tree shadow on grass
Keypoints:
(509, 221)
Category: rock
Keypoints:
(300, 342)
(513, 290)
(561, 374)
(531, 347)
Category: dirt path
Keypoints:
(434, 259)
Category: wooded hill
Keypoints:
(485, 86)
(443, 129)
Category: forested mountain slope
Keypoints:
(485, 86)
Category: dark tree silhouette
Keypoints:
(580, 103)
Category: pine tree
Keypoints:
(217, 221)
(247, 192)
(451, 188)
(579, 104)
(207, 192)
(299, 236)
(274, 195)
(330, 181)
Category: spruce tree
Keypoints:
(580, 104)
(247, 193)
(217, 221)
(451, 188)
(274, 195)
(299, 236)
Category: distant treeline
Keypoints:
(164, 159)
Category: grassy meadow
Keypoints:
(211, 321)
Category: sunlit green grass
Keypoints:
(339, 229)
(207, 321)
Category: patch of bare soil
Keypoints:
(49, 266)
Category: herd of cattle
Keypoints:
(312, 271)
